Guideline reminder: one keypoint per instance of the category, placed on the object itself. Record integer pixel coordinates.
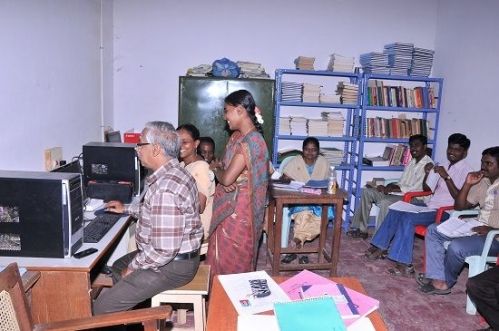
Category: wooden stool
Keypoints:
(194, 292)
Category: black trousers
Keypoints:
(483, 290)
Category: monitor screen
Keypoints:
(113, 136)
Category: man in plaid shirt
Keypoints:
(169, 230)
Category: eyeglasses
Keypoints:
(139, 145)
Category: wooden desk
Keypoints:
(280, 198)
(63, 290)
(222, 316)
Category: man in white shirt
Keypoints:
(411, 180)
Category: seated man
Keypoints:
(397, 230)
(169, 230)
(411, 180)
(480, 189)
(483, 290)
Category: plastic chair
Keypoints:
(478, 264)
(16, 314)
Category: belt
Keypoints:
(186, 256)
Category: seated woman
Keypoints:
(309, 165)
(200, 170)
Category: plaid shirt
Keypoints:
(168, 218)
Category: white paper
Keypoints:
(432, 180)
(362, 324)
(409, 207)
(238, 289)
(455, 227)
(257, 322)
(292, 186)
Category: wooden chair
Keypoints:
(15, 312)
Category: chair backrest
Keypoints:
(12, 296)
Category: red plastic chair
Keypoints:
(420, 230)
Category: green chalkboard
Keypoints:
(201, 102)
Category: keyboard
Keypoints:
(99, 226)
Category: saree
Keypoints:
(237, 221)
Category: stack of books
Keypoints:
(399, 57)
(252, 70)
(422, 61)
(374, 63)
(317, 127)
(201, 70)
(341, 63)
(291, 91)
(298, 126)
(304, 62)
(311, 92)
(334, 155)
(329, 98)
(348, 92)
(335, 123)
(285, 125)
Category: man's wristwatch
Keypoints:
(447, 178)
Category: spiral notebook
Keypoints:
(309, 315)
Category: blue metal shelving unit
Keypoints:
(351, 132)
(366, 109)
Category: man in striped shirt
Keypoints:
(169, 230)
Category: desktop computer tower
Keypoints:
(41, 214)
(112, 171)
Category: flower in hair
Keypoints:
(258, 115)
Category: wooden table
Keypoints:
(222, 316)
(325, 260)
(63, 289)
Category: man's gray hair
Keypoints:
(163, 134)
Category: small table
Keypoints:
(280, 198)
(222, 316)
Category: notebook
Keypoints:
(309, 315)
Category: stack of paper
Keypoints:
(317, 127)
(238, 289)
(298, 126)
(455, 227)
(409, 207)
(335, 156)
(311, 92)
(329, 98)
(335, 123)
(284, 125)
(305, 62)
(341, 63)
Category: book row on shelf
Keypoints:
(380, 94)
(394, 155)
(345, 93)
(395, 128)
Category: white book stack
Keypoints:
(341, 63)
(298, 126)
(304, 62)
(335, 123)
(317, 127)
(284, 125)
(311, 92)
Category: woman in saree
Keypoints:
(240, 196)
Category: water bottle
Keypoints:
(331, 188)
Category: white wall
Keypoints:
(156, 41)
(467, 53)
(49, 79)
